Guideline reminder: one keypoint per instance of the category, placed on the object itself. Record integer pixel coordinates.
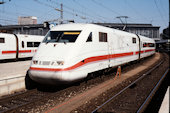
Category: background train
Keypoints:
(70, 51)
(14, 46)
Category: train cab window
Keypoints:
(102, 37)
(2, 40)
(89, 39)
(61, 36)
(22, 44)
(133, 40)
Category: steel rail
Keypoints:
(152, 92)
(14, 97)
(95, 111)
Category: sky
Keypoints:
(155, 12)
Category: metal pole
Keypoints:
(125, 24)
(61, 12)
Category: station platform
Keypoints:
(13, 69)
(165, 107)
(12, 76)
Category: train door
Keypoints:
(139, 47)
(22, 46)
(17, 48)
(110, 49)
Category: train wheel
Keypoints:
(29, 83)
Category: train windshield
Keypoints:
(61, 36)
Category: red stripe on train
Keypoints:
(24, 51)
(144, 51)
(149, 50)
(87, 60)
(20, 51)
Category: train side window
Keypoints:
(30, 44)
(144, 44)
(33, 44)
(148, 44)
(36, 44)
(151, 45)
(2, 40)
(133, 40)
(89, 39)
(22, 44)
(102, 37)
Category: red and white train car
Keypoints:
(14, 46)
(70, 51)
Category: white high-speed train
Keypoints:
(70, 51)
(14, 46)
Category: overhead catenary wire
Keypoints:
(135, 11)
(99, 18)
(161, 15)
(76, 13)
(68, 11)
(105, 7)
(17, 14)
(94, 13)
(41, 17)
(53, 7)
(8, 21)
(25, 8)
(116, 13)
(162, 7)
(87, 15)
(7, 13)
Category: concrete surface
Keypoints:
(165, 104)
(8, 70)
(12, 76)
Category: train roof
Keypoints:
(81, 26)
(76, 26)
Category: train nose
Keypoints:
(46, 77)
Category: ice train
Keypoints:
(70, 51)
(14, 46)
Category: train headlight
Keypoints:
(60, 62)
(35, 61)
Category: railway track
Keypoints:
(136, 96)
(148, 99)
(10, 104)
(42, 99)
